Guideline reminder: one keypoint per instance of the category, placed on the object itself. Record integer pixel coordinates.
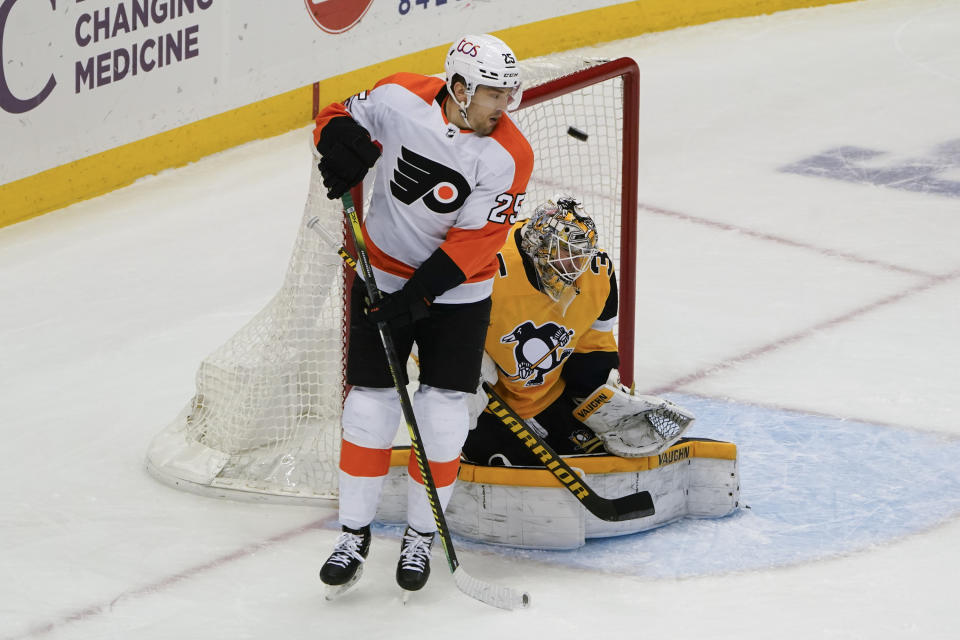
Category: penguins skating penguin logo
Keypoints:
(539, 350)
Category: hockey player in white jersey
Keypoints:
(451, 172)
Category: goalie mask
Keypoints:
(483, 60)
(561, 240)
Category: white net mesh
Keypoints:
(265, 417)
(265, 420)
(589, 169)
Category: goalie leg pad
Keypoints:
(526, 507)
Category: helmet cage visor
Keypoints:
(562, 243)
(503, 98)
(569, 249)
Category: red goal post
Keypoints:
(628, 73)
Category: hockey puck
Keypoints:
(573, 132)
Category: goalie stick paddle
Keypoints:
(497, 596)
(631, 507)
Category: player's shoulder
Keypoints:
(424, 87)
(510, 251)
(515, 230)
(514, 236)
(513, 156)
(511, 138)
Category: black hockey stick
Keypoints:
(503, 597)
(631, 507)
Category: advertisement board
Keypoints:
(116, 89)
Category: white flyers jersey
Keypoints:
(435, 185)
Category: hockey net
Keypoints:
(264, 422)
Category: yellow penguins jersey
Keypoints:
(530, 337)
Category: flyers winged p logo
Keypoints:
(443, 190)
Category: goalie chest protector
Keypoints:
(530, 336)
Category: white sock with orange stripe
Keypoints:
(370, 420)
(419, 511)
(443, 419)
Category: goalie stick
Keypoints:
(497, 596)
(630, 507)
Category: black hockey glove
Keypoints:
(437, 274)
(347, 154)
(401, 308)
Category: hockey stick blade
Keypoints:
(495, 596)
(631, 507)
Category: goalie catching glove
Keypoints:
(632, 426)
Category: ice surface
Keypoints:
(799, 289)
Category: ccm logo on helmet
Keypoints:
(443, 190)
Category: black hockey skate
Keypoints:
(345, 565)
(413, 569)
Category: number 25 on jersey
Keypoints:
(504, 200)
